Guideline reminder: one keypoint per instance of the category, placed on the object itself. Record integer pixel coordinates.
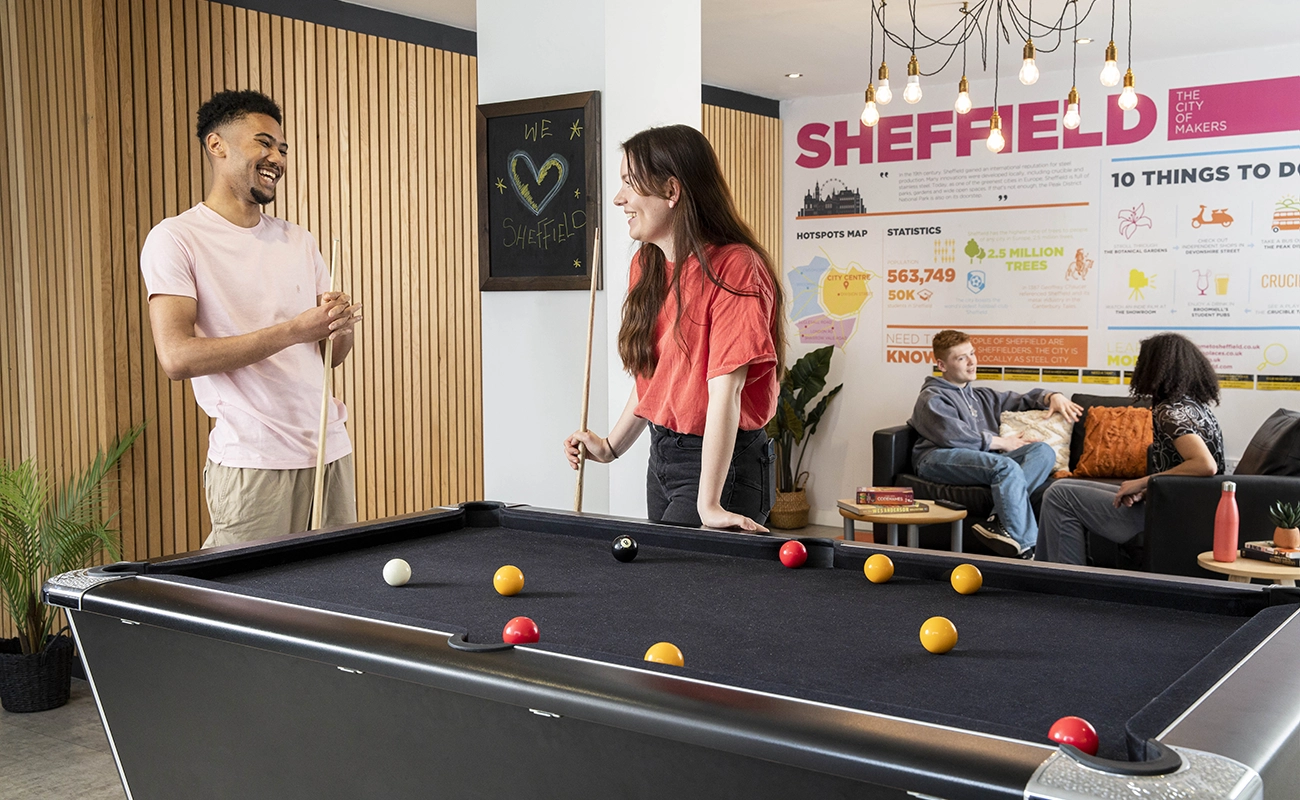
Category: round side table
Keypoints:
(1243, 569)
(937, 515)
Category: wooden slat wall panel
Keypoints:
(97, 103)
(749, 147)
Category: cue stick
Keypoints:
(586, 374)
(318, 493)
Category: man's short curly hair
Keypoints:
(231, 105)
(944, 341)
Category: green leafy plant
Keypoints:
(45, 533)
(793, 424)
(1285, 515)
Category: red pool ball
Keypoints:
(793, 554)
(1076, 731)
(520, 630)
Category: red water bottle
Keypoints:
(1225, 524)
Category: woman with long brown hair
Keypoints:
(702, 334)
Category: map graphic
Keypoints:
(826, 300)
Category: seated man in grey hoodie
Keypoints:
(959, 443)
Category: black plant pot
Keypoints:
(38, 681)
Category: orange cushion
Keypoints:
(1115, 443)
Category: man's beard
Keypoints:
(261, 197)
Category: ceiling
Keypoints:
(749, 45)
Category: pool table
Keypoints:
(290, 669)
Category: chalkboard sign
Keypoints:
(539, 192)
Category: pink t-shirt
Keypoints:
(246, 279)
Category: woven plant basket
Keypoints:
(37, 681)
(790, 510)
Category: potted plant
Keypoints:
(794, 425)
(1286, 516)
(44, 533)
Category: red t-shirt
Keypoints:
(719, 332)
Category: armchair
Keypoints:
(1180, 517)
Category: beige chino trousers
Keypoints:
(251, 504)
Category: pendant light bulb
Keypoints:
(963, 104)
(1110, 73)
(1071, 119)
(912, 93)
(870, 114)
(1028, 68)
(1128, 99)
(883, 92)
(996, 141)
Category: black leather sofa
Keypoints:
(1179, 511)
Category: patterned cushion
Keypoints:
(1041, 426)
(1115, 443)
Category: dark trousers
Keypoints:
(673, 479)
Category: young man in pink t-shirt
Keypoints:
(240, 304)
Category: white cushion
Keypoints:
(1040, 426)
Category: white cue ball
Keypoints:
(397, 572)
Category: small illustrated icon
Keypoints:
(945, 251)
(1202, 280)
(975, 280)
(925, 294)
(974, 251)
(1137, 281)
(1274, 355)
(1220, 284)
(1130, 219)
(1286, 215)
(1079, 269)
(1218, 216)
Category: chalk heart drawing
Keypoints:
(524, 187)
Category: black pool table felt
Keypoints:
(1022, 660)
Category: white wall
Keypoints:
(879, 394)
(647, 68)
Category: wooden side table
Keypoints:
(937, 515)
(1243, 569)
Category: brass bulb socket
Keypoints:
(1128, 79)
(871, 93)
(883, 72)
(1073, 97)
(1029, 49)
(995, 122)
(1112, 54)
(913, 68)
(964, 86)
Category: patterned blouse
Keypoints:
(1179, 418)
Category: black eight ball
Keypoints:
(624, 548)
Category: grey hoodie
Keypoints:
(966, 417)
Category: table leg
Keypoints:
(1285, 583)
(1238, 579)
(913, 535)
(893, 533)
(848, 529)
(956, 536)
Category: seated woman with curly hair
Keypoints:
(1187, 440)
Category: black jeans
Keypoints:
(673, 479)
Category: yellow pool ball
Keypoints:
(508, 581)
(938, 635)
(966, 579)
(879, 568)
(665, 653)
